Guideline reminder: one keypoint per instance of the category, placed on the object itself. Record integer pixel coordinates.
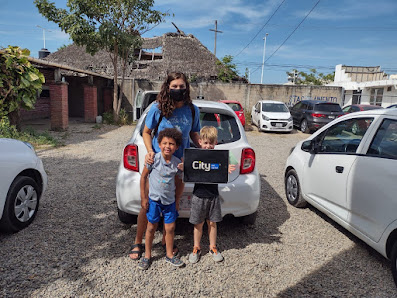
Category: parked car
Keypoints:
(359, 107)
(22, 183)
(310, 115)
(351, 177)
(237, 108)
(392, 106)
(271, 115)
(239, 197)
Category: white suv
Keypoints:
(348, 170)
(239, 197)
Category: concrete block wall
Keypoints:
(246, 94)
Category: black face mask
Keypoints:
(177, 94)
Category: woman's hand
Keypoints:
(149, 157)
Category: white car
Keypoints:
(348, 170)
(271, 115)
(22, 183)
(239, 197)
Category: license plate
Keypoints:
(279, 125)
(185, 203)
(331, 117)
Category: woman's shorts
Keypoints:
(202, 209)
(156, 209)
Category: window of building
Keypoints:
(376, 96)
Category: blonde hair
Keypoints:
(209, 133)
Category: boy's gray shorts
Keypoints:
(202, 209)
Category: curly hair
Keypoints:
(165, 104)
(171, 133)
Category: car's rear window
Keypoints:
(226, 125)
(328, 107)
(235, 106)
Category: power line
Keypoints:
(296, 28)
(260, 29)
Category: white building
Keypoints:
(365, 85)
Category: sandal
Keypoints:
(175, 250)
(144, 264)
(174, 261)
(138, 252)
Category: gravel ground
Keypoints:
(77, 246)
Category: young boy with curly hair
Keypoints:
(162, 199)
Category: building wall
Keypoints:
(246, 94)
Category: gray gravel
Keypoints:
(78, 247)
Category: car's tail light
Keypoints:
(318, 115)
(247, 164)
(130, 158)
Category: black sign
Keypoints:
(205, 166)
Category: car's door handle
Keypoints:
(339, 169)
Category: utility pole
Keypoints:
(216, 31)
(264, 52)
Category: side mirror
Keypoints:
(310, 146)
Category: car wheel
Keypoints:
(393, 259)
(127, 218)
(249, 219)
(293, 189)
(21, 204)
(304, 126)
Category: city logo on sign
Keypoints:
(206, 166)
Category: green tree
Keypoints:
(112, 25)
(227, 70)
(312, 78)
(20, 82)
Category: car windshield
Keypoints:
(328, 107)
(226, 125)
(235, 106)
(274, 107)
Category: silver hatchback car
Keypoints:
(239, 197)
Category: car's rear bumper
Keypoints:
(239, 197)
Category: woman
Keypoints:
(173, 108)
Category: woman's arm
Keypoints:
(147, 140)
(195, 138)
(144, 189)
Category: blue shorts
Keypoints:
(156, 209)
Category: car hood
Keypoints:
(277, 115)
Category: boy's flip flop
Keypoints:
(138, 252)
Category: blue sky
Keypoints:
(350, 32)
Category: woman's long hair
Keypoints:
(165, 104)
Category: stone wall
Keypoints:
(246, 94)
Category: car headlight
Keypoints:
(290, 118)
(265, 118)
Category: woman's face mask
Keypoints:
(177, 94)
